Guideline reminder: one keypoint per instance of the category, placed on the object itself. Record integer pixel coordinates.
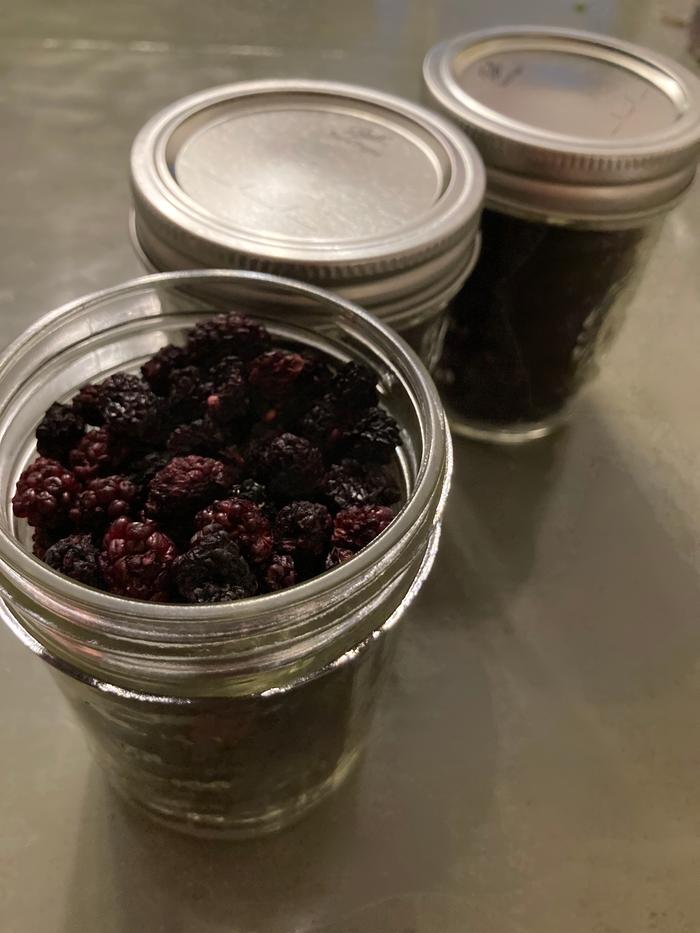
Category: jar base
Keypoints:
(503, 434)
(230, 828)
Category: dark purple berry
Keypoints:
(227, 335)
(277, 375)
(338, 555)
(87, 404)
(354, 387)
(324, 425)
(104, 499)
(59, 431)
(136, 560)
(244, 522)
(130, 409)
(351, 483)
(229, 401)
(97, 453)
(188, 394)
(142, 471)
(289, 465)
(303, 528)
(212, 570)
(186, 485)
(158, 369)
(45, 493)
(76, 557)
(280, 573)
(198, 437)
(354, 528)
(373, 438)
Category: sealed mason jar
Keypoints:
(588, 142)
(340, 186)
(230, 718)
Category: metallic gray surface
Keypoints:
(534, 766)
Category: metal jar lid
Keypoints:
(330, 183)
(571, 124)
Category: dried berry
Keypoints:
(188, 394)
(303, 528)
(76, 556)
(351, 483)
(142, 471)
(104, 499)
(280, 573)
(373, 438)
(274, 376)
(97, 453)
(158, 369)
(130, 409)
(324, 425)
(244, 522)
(45, 493)
(291, 466)
(250, 489)
(354, 528)
(198, 437)
(185, 485)
(87, 404)
(338, 555)
(354, 387)
(226, 335)
(136, 560)
(229, 401)
(212, 570)
(59, 431)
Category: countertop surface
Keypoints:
(534, 765)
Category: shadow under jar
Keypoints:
(337, 185)
(588, 143)
(222, 719)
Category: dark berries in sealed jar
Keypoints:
(216, 473)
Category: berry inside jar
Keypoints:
(230, 466)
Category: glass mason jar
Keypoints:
(340, 186)
(225, 719)
(588, 143)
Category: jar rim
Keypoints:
(119, 617)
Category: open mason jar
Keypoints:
(341, 186)
(588, 143)
(233, 718)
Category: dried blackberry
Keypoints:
(97, 453)
(87, 404)
(303, 528)
(244, 522)
(198, 437)
(187, 398)
(324, 425)
(136, 560)
(354, 528)
(354, 387)
(76, 556)
(130, 409)
(373, 438)
(280, 573)
(158, 370)
(227, 335)
(185, 485)
(104, 499)
(229, 400)
(212, 570)
(291, 466)
(142, 471)
(255, 492)
(275, 376)
(338, 555)
(59, 431)
(45, 493)
(351, 483)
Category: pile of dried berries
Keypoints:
(229, 467)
